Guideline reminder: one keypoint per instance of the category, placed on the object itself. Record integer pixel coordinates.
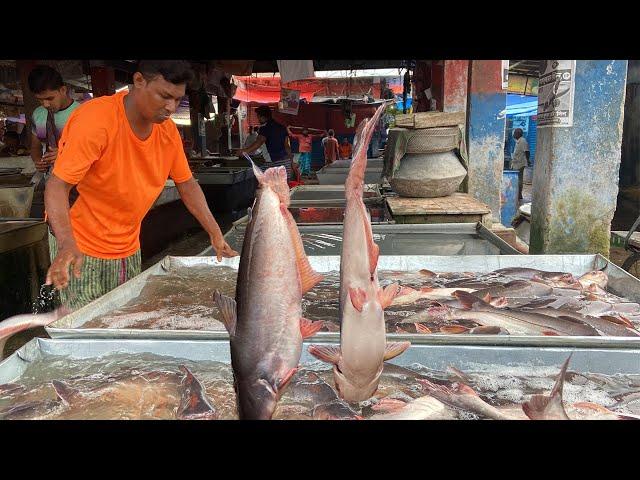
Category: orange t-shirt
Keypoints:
(345, 150)
(118, 176)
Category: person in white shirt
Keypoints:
(253, 136)
(520, 157)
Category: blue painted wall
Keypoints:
(576, 171)
(486, 147)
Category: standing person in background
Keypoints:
(274, 137)
(49, 119)
(345, 149)
(305, 142)
(520, 157)
(330, 146)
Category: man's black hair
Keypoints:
(331, 132)
(177, 72)
(263, 111)
(43, 78)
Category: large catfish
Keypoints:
(363, 347)
(18, 323)
(265, 321)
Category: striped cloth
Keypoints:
(98, 276)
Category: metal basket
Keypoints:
(434, 140)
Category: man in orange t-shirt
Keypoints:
(330, 145)
(345, 149)
(119, 150)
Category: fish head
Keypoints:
(256, 398)
(595, 277)
(352, 392)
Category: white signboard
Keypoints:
(555, 94)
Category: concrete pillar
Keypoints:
(486, 123)
(576, 168)
(456, 79)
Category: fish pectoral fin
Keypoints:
(326, 353)
(286, 379)
(454, 329)
(386, 295)
(420, 328)
(227, 306)
(309, 328)
(393, 349)
(388, 405)
(194, 403)
(309, 278)
(358, 298)
(488, 330)
(66, 393)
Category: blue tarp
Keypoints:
(525, 105)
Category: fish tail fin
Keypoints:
(355, 179)
(274, 178)
(549, 407)
(194, 404)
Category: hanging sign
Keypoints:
(289, 101)
(555, 94)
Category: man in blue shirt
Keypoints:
(274, 136)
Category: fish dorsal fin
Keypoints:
(309, 278)
(454, 329)
(467, 299)
(309, 328)
(420, 328)
(227, 306)
(549, 407)
(386, 295)
(428, 273)
(193, 401)
(326, 353)
(66, 393)
(393, 349)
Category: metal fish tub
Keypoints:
(605, 361)
(406, 239)
(620, 283)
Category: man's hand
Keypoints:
(222, 248)
(50, 155)
(58, 273)
(237, 151)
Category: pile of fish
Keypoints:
(144, 386)
(517, 301)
